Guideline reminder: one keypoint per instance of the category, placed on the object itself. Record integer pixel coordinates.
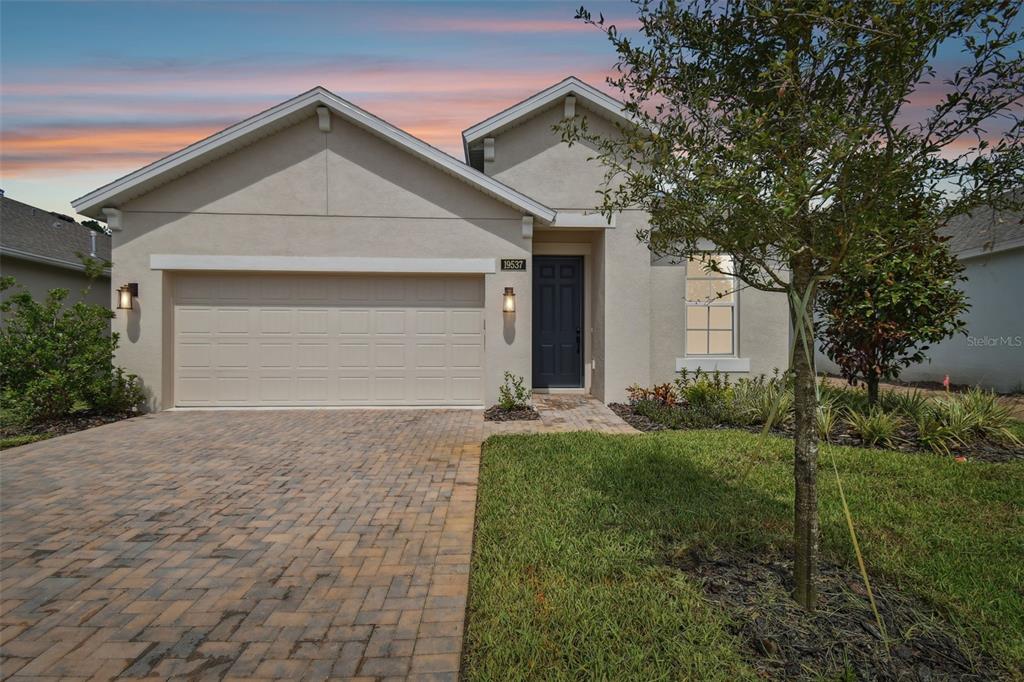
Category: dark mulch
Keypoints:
(982, 451)
(782, 641)
(497, 414)
(637, 421)
(59, 427)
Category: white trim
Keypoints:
(527, 227)
(571, 86)
(488, 149)
(113, 218)
(998, 247)
(161, 261)
(47, 260)
(710, 364)
(570, 107)
(584, 219)
(171, 166)
(323, 115)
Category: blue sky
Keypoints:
(90, 91)
(93, 90)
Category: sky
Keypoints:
(90, 91)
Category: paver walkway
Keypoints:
(564, 412)
(245, 544)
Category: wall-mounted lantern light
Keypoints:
(126, 295)
(509, 300)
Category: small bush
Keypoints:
(911, 405)
(57, 358)
(876, 427)
(827, 418)
(763, 400)
(994, 420)
(663, 394)
(513, 395)
(933, 434)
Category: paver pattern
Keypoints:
(244, 544)
(560, 412)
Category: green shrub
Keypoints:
(827, 418)
(513, 395)
(933, 434)
(764, 400)
(993, 419)
(57, 358)
(912, 404)
(876, 427)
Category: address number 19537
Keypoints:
(513, 263)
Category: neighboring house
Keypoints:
(40, 250)
(316, 255)
(991, 353)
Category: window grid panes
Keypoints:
(710, 308)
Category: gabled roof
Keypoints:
(35, 234)
(279, 117)
(983, 231)
(572, 85)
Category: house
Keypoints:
(314, 254)
(990, 354)
(40, 249)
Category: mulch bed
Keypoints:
(497, 414)
(59, 427)
(782, 641)
(982, 451)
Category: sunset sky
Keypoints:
(90, 91)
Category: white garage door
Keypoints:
(328, 340)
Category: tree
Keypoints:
(878, 316)
(789, 135)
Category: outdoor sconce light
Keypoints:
(509, 303)
(126, 294)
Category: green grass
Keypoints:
(23, 439)
(569, 580)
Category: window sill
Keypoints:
(710, 364)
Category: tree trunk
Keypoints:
(872, 381)
(805, 465)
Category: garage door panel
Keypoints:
(328, 340)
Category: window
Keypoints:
(710, 307)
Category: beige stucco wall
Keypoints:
(39, 278)
(638, 309)
(302, 192)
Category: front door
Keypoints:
(557, 321)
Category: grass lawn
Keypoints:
(24, 439)
(569, 578)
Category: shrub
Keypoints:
(994, 420)
(763, 400)
(57, 358)
(911, 405)
(513, 395)
(663, 394)
(933, 434)
(876, 427)
(827, 418)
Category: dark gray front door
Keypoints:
(557, 321)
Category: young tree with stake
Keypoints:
(785, 134)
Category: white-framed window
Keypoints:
(710, 307)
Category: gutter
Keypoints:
(47, 260)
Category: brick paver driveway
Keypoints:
(259, 544)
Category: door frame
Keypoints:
(584, 380)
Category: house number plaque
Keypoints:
(513, 263)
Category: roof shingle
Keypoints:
(29, 231)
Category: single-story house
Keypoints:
(40, 250)
(316, 255)
(990, 354)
